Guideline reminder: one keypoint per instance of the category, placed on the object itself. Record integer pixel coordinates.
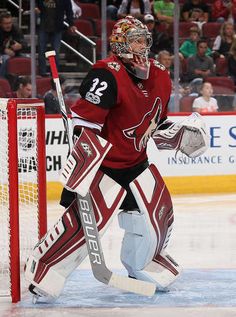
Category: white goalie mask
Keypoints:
(131, 41)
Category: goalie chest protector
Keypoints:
(134, 112)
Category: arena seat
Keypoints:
(98, 48)
(161, 27)
(221, 67)
(89, 10)
(43, 84)
(185, 103)
(85, 27)
(222, 85)
(210, 30)
(19, 66)
(5, 88)
(98, 27)
(184, 28)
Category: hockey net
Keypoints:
(22, 188)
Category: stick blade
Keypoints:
(134, 286)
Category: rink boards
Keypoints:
(213, 172)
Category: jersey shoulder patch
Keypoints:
(114, 65)
(158, 65)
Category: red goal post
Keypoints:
(22, 188)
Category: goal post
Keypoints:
(22, 188)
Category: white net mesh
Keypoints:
(28, 189)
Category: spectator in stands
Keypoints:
(189, 47)
(195, 11)
(76, 9)
(232, 61)
(200, 65)
(166, 59)
(50, 98)
(136, 8)
(23, 87)
(112, 9)
(149, 21)
(51, 15)
(161, 40)
(223, 10)
(12, 41)
(164, 11)
(205, 103)
(224, 41)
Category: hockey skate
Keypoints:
(40, 296)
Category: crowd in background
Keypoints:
(202, 58)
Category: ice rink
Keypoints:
(203, 243)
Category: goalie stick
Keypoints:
(97, 261)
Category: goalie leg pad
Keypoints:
(57, 254)
(63, 248)
(146, 238)
(162, 270)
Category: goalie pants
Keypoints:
(121, 176)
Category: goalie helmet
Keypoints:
(131, 41)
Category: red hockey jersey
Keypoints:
(126, 110)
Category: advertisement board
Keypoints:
(219, 159)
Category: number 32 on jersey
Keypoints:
(96, 91)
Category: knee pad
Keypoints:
(139, 240)
(138, 248)
(147, 234)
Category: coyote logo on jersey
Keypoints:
(140, 133)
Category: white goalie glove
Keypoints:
(188, 136)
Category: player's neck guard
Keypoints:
(137, 66)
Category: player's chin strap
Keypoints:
(189, 136)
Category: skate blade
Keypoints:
(39, 296)
(35, 299)
(38, 299)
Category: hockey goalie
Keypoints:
(123, 104)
